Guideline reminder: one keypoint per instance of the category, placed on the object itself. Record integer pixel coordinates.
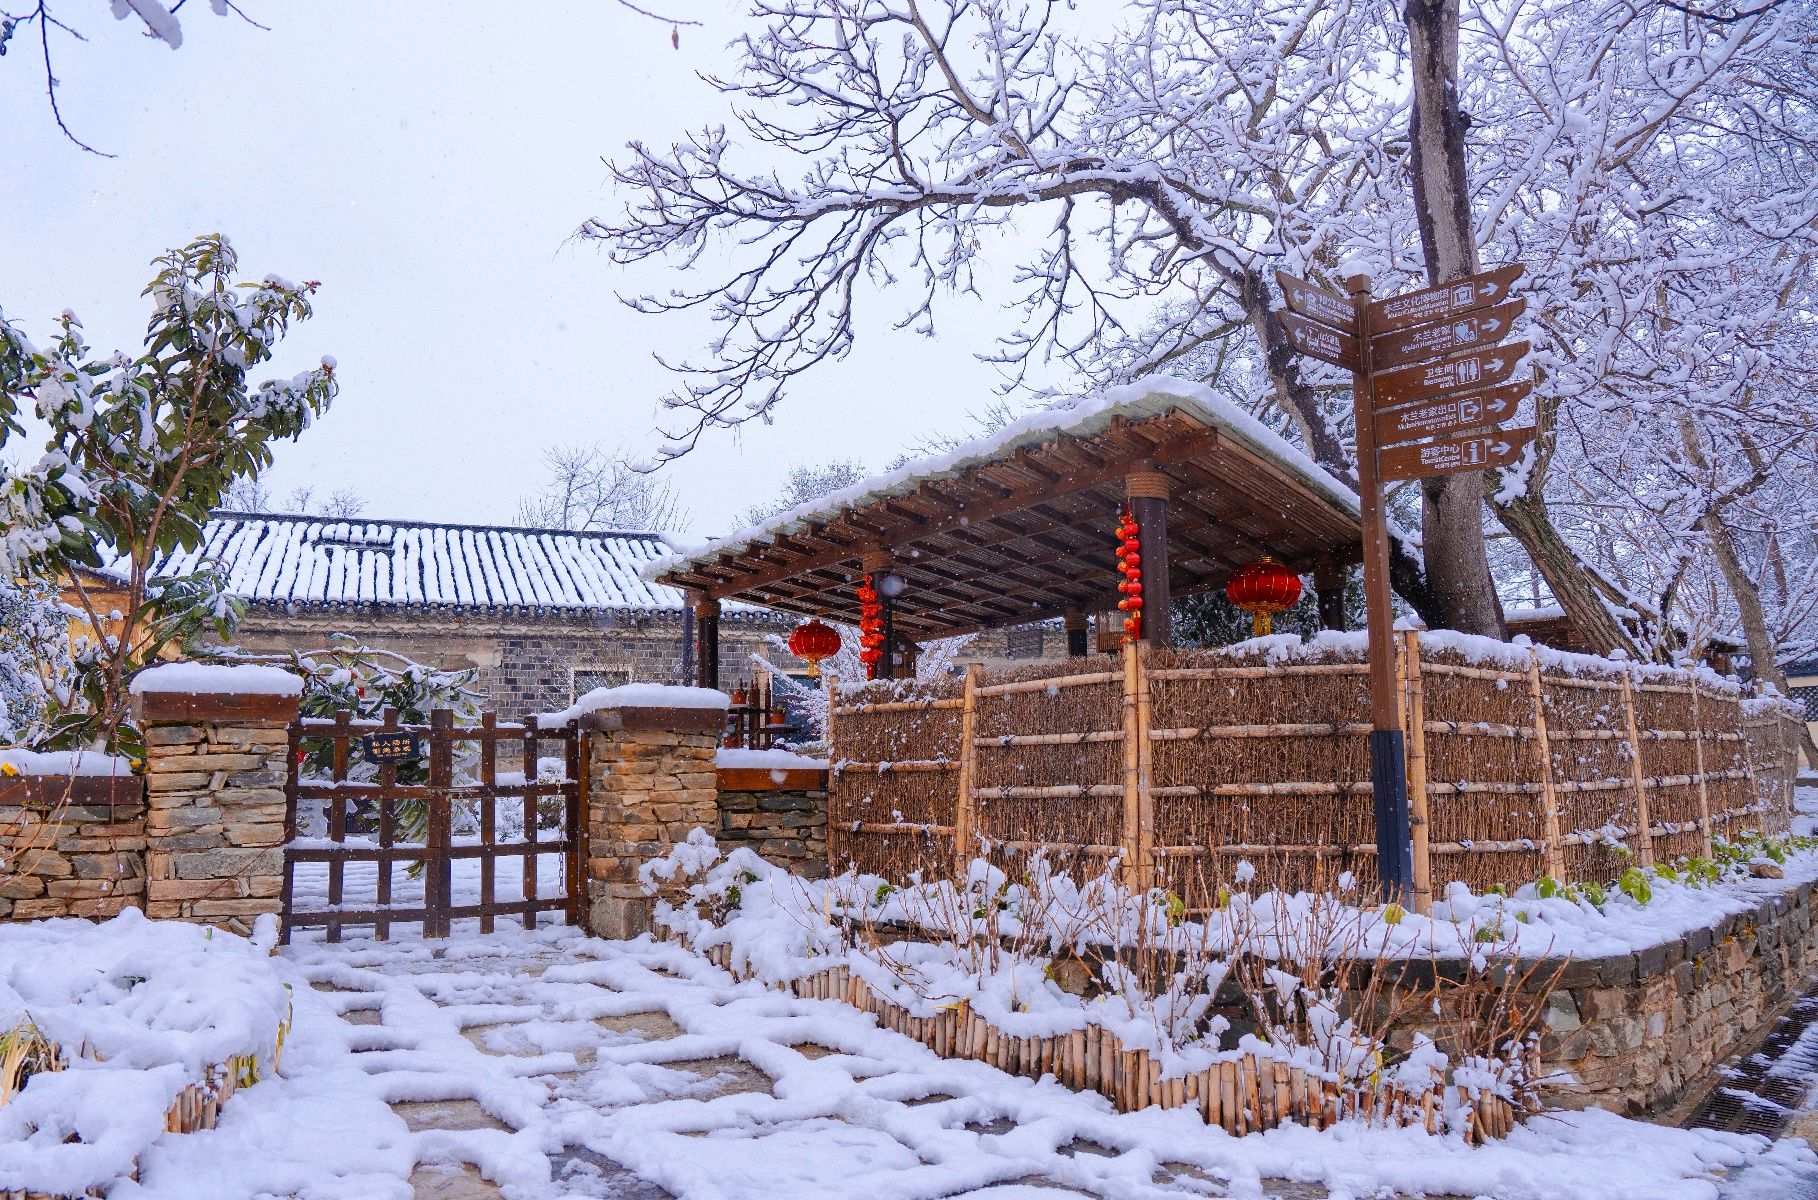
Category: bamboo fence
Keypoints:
(1180, 764)
(1241, 1095)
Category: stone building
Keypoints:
(544, 615)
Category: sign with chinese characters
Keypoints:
(1462, 411)
(1459, 373)
(1450, 456)
(391, 746)
(1444, 302)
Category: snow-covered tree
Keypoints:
(805, 482)
(598, 487)
(141, 449)
(36, 673)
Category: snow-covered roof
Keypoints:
(1014, 526)
(303, 561)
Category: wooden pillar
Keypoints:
(1148, 493)
(963, 805)
(707, 642)
(1329, 584)
(876, 564)
(1074, 621)
(688, 650)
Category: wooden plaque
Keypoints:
(391, 745)
(1452, 456)
(1321, 341)
(1311, 300)
(1459, 373)
(1444, 302)
(1480, 328)
(1489, 407)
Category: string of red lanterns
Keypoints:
(871, 627)
(1130, 566)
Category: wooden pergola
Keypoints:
(1018, 527)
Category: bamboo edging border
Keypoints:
(1244, 1095)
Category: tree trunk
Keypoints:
(1457, 562)
(1526, 517)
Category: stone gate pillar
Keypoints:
(650, 780)
(216, 741)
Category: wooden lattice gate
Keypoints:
(393, 823)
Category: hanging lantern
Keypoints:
(871, 627)
(812, 642)
(1263, 589)
(1129, 565)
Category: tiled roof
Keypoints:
(273, 559)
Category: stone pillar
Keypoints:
(1148, 493)
(1074, 621)
(1329, 584)
(650, 781)
(215, 769)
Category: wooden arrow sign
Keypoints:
(1445, 337)
(1488, 407)
(1321, 341)
(1454, 455)
(1444, 302)
(1311, 300)
(1461, 372)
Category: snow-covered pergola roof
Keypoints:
(1017, 526)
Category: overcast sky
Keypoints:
(428, 163)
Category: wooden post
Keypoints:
(1148, 494)
(707, 643)
(1132, 832)
(1145, 774)
(438, 876)
(1419, 836)
(1644, 826)
(833, 759)
(1704, 795)
(968, 764)
(1388, 766)
(1074, 621)
(1549, 799)
(1329, 586)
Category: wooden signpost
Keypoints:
(1423, 364)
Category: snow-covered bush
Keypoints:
(35, 665)
(130, 1012)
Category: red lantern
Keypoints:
(813, 642)
(871, 627)
(1263, 589)
(1129, 562)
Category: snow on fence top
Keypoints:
(63, 762)
(636, 695)
(248, 680)
(312, 561)
(1152, 397)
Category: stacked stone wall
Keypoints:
(71, 846)
(786, 826)
(215, 807)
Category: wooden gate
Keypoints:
(392, 823)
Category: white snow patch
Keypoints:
(246, 680)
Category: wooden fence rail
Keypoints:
(1184, 763)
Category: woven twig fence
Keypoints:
(1180, 764)
(1240, 1095)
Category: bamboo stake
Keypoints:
(1704, 798)
(1042, 685)
(1415, 698)
(1145, 773)
(1555, 860)
(1644, 828)
(832, 757)
(1132, 788)
(963, 810)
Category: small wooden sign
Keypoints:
(1488, 407)
(1445, 337)
(391, 746)
(1444, 302)
(1461, 372)
(1311, 300)
(1454, 455)
(1321, 341)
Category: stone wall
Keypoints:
(71, 846)
(783, 822)
(215, 805)
(650, 782)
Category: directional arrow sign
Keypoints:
(1311, 300)
(1445, 337)
(1444, 302)
(1461, 372)
(1435, 417)
(1454, 455)
(1322, 342)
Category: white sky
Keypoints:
(428, 164)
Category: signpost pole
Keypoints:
(1388, 764)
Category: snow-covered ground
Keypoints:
(561, 1065)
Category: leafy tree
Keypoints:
(141, 449)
